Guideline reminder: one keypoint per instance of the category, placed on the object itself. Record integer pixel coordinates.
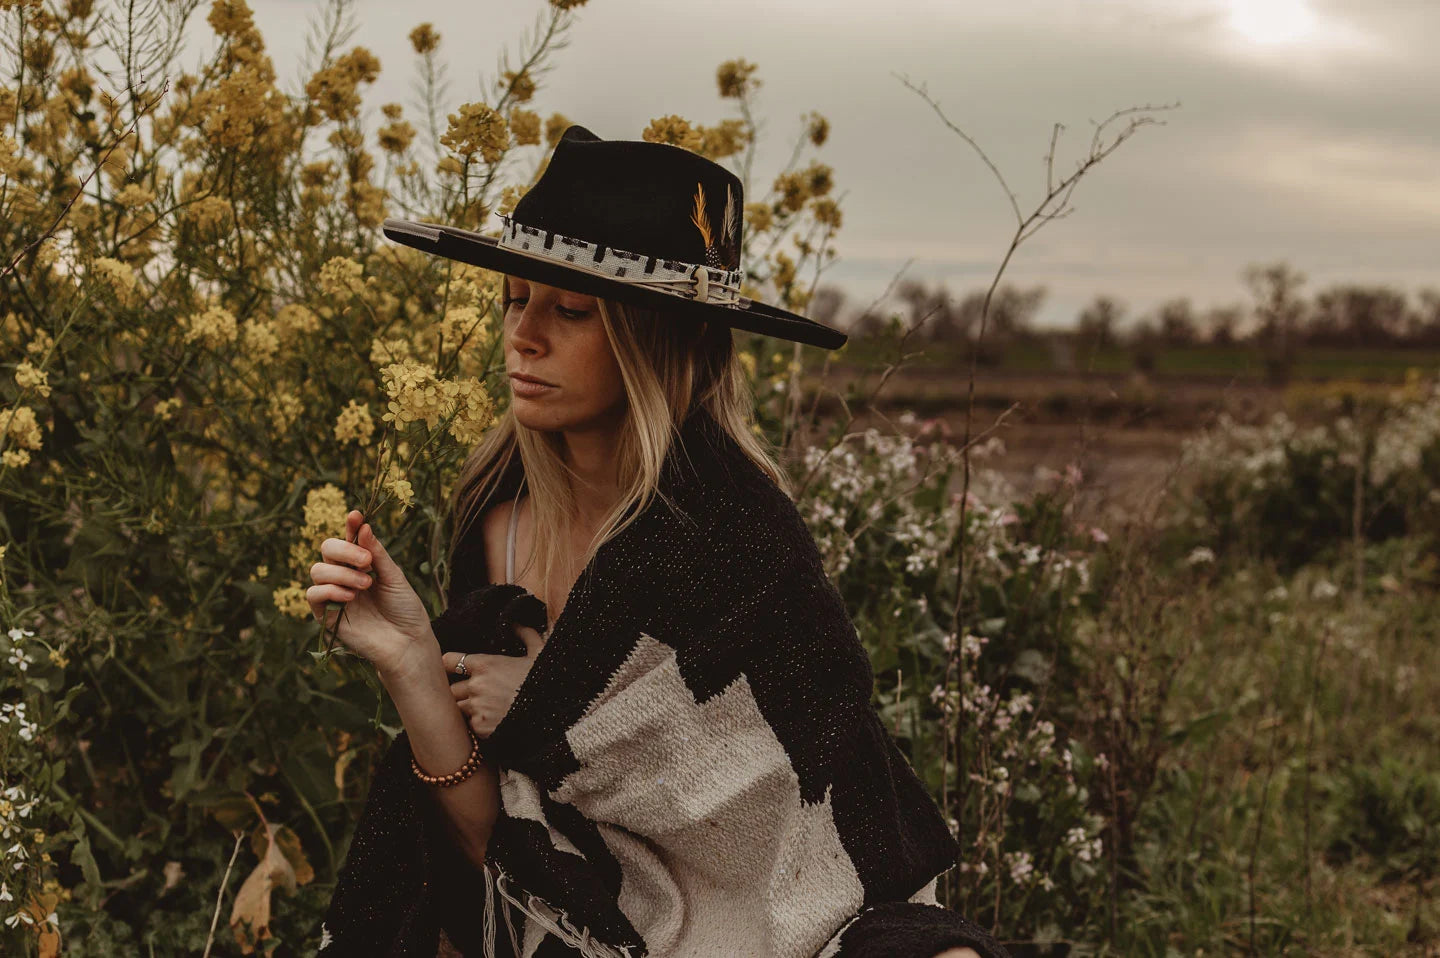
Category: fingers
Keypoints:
(318, 595)
(473, 661)
(325, 573)
(347, 553)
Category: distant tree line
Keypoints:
(1279, 320)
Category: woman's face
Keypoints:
(558, 336)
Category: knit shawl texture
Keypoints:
(692, 767)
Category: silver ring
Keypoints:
(461, 669)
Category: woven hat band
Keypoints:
(694, 281)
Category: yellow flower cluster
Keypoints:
(463, 323)
(23, 428)
(400, 487)
(827, 212)
(675, 130)
(424, 38)
(284, 409)
(477, 128)
(383, 352)
(759, 216)
(415, 393)
(293, 320)
(555, 128)
(734, 78)
(474, 410)
(28, 377)
(784, 273)
(508, 198)
(819, 130)
(9, 156)
(355, 424)
(525, 127)
(341, 276)
(395, 137)
(747, 360)
(290, 600)
(244, 109)
(215, 327)
(209, 213)
(325, 513)
(335, 89)
(726, 139)
(260, 339)
(165, 408)
(520, 85)
(118, 277)
(134, 195)
(798, 186)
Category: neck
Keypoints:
(590, 453)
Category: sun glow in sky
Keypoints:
(1272, 22)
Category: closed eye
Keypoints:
(567, 313)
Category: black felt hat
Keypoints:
(644, 223)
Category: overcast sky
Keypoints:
(1308, 130)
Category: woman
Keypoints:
(657, 738)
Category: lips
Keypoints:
(522, 377)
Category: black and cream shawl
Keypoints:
(693, 766)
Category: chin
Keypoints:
(538, 415)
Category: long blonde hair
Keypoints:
(668, 366)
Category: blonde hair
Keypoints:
(668, 366)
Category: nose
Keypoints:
(528, 335)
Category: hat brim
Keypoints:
(485, 252)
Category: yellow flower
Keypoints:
(22, 426)
(474, 410)
(117, 276)
(521, 85)
(784, 273)
(9, 156)
(260, 339)
(461, 323)
(284, 409)
(819, 130)
(726, 139)
(335, 88)
(396, 137)
(15, 458)
(386, 351)
(290, 600)
(415, 394)
(165, 408)
(41, 344)
(341, 277)
(477, 128)
(525, 127)
(555, 128)
(675, 130)
(215, 327)
(134, 195)
(354, 424)
(827, 212)
(402, 490)
(59, 660)
(760, 216)
(733, 78)
(424, 38)
(794, 190)
(294, 319)
(747, 359)
(209, 213)
(28, 377)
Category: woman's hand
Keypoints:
(486, 696)
(384, 620)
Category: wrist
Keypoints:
(417, 664)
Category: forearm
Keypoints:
(440, 740)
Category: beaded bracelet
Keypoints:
(455, 777)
